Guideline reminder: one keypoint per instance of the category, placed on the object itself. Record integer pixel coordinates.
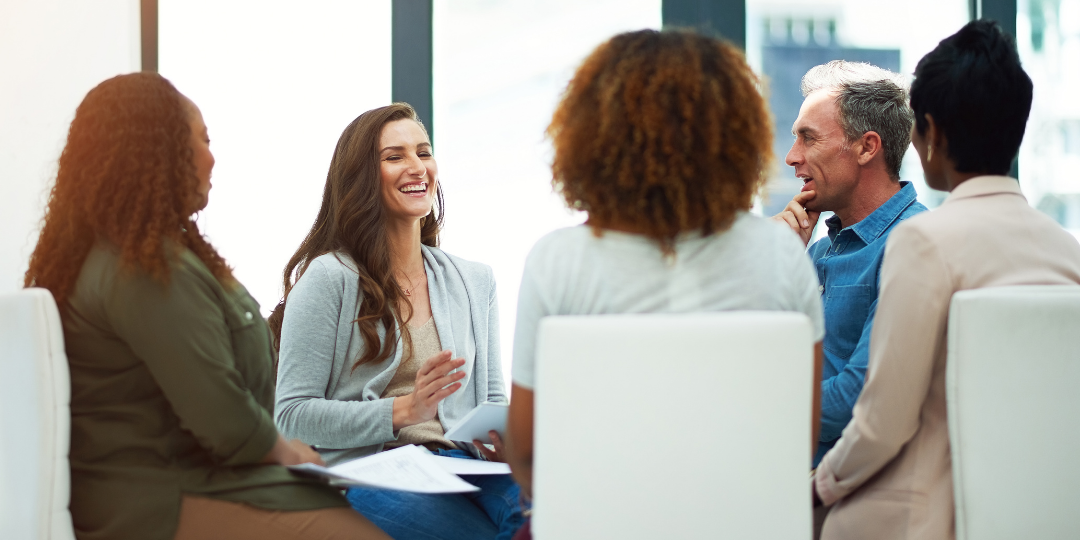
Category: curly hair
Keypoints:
(352, 220)
(125, 176)
(665, 132)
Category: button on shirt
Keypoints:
(848, 264)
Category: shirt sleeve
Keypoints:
(181, 332)
(309, 342)
(531, 308)
(909, 330)
(496, 388)
(839, 392)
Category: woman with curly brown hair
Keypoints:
(171, 364)
(386, 340)
(663, 139)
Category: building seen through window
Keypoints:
(1048, 38)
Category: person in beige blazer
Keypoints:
(890, 475)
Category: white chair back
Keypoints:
(35, 421)
(1013, 391)
(673, 426)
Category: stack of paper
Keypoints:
(408, 468)
(470, 466)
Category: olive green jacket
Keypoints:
(172, 392)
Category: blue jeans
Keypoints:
(493, 513)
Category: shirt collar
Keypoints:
(872, 226)
(984, 185)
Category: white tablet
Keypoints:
(485, 417)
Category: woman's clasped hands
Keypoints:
(434, 382)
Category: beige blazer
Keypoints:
(890, 475)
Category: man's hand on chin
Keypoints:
(796, 216)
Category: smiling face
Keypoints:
(201, 156)
(407, 169)
(820, 157)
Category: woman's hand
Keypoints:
(496, 441)
(292, 452)
(434, 383)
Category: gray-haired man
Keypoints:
(851, 134)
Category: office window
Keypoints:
(277, 82)
(499, 69)
(1048, 38)
(785, 39)
(51, 54)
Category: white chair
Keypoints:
(673, 426)
(35, 421)
(1013, 391)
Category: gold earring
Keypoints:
(929, 153)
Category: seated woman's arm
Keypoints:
(532, 307)
(294, 452)
(496, 391)
(309, 339)
(185, 337)
(519, 444)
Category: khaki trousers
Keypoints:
(209, 519)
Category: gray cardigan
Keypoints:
(322, 401)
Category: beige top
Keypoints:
(891, 471)
(425, 344)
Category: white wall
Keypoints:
(277, 82)
(52, 52)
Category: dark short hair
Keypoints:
(979, 95)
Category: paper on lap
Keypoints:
(483, 418)
(470, 466)
(407, 468)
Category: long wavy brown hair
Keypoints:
(125, 177)
(352, 220)
(662, 133)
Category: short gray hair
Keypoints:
(870, 99)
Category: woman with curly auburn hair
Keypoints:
(171, 365)
(662, 139)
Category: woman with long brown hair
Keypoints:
(386, 340)
(171, 364)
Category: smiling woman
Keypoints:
(385, 339)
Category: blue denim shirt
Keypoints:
(848, 264)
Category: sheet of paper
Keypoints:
(470, 466)
(407, 468)
(483, 418)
